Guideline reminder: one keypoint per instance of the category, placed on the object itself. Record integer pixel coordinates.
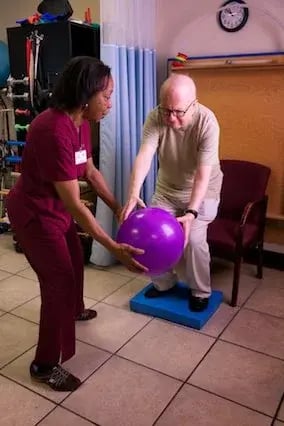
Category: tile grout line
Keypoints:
(250, 349)
(17, 357)
(168, 404)
(149, 368)
(195, 368)
(230, 400)
(13, 274)
(202, 359)
(250, 295)
(45, 416)
(278, 410)
(127, 282)
(70, 411)
(85, 380)
(57, 404)
(108, 295)
(261, 312)
(184, 382)
(29, 389)
(116, 353)
(112, 272)
(94, 346)
(134, 335)
(19, 306)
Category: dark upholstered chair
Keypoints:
(240, 223)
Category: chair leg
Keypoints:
(259, 260)
(236, 279)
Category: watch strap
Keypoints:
(192, 211)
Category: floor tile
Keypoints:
(15, 291)
(269, 300)
(83, 364)
(4, 251)
(2, 313)
(4, 275)
(223, 281)
(19, 406)
(121, 270)
(257, 331)
(168, 348)
(62, 417)
(194, 406)
(122, 393)
(28, 273)
(122, 296)
(86, 360)
(278, 423)
(6, 242)
(16, 336)
(31, 310)
(13, 262)
(272, 278)
(244, 376)
(112, 328)
(281, 412)
(100, 284)
(219, 320)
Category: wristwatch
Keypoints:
(194, 212)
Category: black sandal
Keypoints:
(87, 315)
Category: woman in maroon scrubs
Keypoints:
(45, 201)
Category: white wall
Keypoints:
(190, 26)
(12, 10)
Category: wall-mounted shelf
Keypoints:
(250, 61)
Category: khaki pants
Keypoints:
(194, 266)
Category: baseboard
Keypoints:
(271, 259)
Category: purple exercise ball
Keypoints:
(158, 233)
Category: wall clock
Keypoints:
(233, 15)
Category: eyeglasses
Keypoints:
(166, 112)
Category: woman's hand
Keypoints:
(124, 253)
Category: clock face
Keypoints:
(233, 16)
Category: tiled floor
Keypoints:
(142, 371)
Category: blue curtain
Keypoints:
(134, 73)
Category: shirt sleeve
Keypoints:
(151, 130)
(208, 147)
(56, 158)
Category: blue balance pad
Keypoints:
(174, 306)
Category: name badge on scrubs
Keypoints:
(80, 157)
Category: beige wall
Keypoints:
(12, 10)
(190, 26)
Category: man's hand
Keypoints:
(130, 205)
(186, 222)
(124, 253)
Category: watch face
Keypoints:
(233, 16)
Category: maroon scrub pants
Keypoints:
(57, 259)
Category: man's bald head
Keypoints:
(178, 89)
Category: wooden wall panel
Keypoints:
(249, 104)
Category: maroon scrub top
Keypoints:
(49, 156)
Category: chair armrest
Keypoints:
(250, 207)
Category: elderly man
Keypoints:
(186, 136)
